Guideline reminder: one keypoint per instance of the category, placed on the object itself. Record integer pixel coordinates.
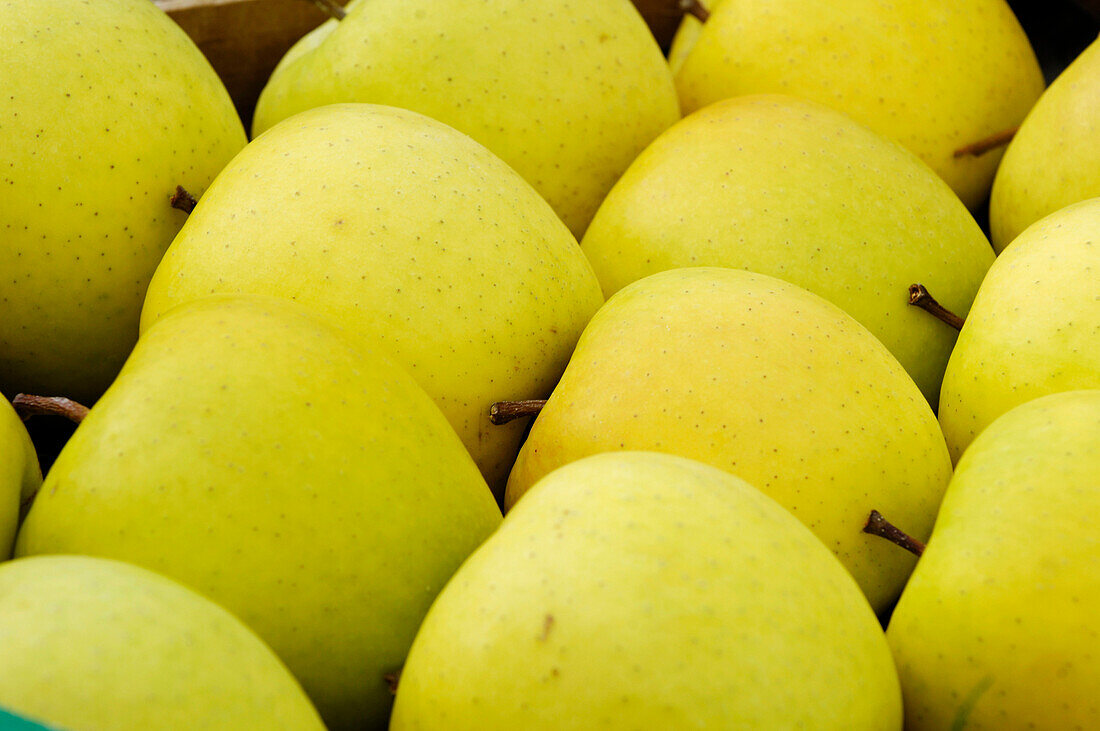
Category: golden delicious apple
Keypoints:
(789, 188)
(313, 490)
(1034, 328)
(935, 75)
(20, 475)
(409, 236)
(567, 92)
(97, 644)
(640, 590)
(767, 381)
(106, 107)
(1054, 160)
(997, 626)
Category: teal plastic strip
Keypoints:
(11, 722)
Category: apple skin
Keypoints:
(567, 92)
(643, 590)
(93, 643)
(934, 75)
(250, 452)
(20, 474)
(1054, 159)
(1034, 328)
(107, 107)
(1004, 601)
(767, 381)
(409, 236)
(792, 189)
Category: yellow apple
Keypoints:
(97, 644)
(1054, 159)
(762, 379)
(1034, 328)
(934, 75)
(639, 590)
(20, 475)
(567, 92)
(409, 236)
(249, 452)
(789, 188)
(106, 107)
(997, 626)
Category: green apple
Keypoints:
(1054, 160)
(789, 188)
(640, 590)
(934, 75)
(408, 235)
(765, 380)
(1034, 328)
(20, 475)
(249, 452)
(106, 107)
(567, 92)
(997, 626)
(91, 643)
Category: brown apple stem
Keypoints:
(27, 406)
(182, 200)
(331, 8)
(695, 9)
(919, 296)
(504, 411)
(879, 526)
(25, 505)
(992, 142)
(392, 680)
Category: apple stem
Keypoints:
(1000, 139)
(695, 9)
(330, 7)
(879, 526)
(181, 200)
(504, 411)
(920, 297)
(27, 406)
(392, 680)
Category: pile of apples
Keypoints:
(728, 284)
